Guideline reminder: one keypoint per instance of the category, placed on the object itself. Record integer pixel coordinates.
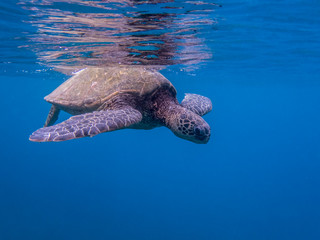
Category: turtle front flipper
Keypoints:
(52, 116)
(88, 124)
(196, 103)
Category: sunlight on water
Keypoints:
(256, 179)
(72, 34)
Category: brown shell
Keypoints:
(91, 87)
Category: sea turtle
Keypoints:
(113, 98)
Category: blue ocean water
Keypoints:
(257, 178)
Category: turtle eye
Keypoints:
(200, 132)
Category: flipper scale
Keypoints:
(196, 103)
(88, 124)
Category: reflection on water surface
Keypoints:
(78, 33)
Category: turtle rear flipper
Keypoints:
(88, 124)
(196, 103)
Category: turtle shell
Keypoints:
(91, 87)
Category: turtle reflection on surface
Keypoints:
(77, 33)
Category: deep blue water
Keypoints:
(258, 177)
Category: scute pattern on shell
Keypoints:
(91, 87)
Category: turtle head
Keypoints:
(190, 126)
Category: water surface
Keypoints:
(257, 178)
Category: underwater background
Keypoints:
(257, 178)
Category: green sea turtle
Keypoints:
(113, 98)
